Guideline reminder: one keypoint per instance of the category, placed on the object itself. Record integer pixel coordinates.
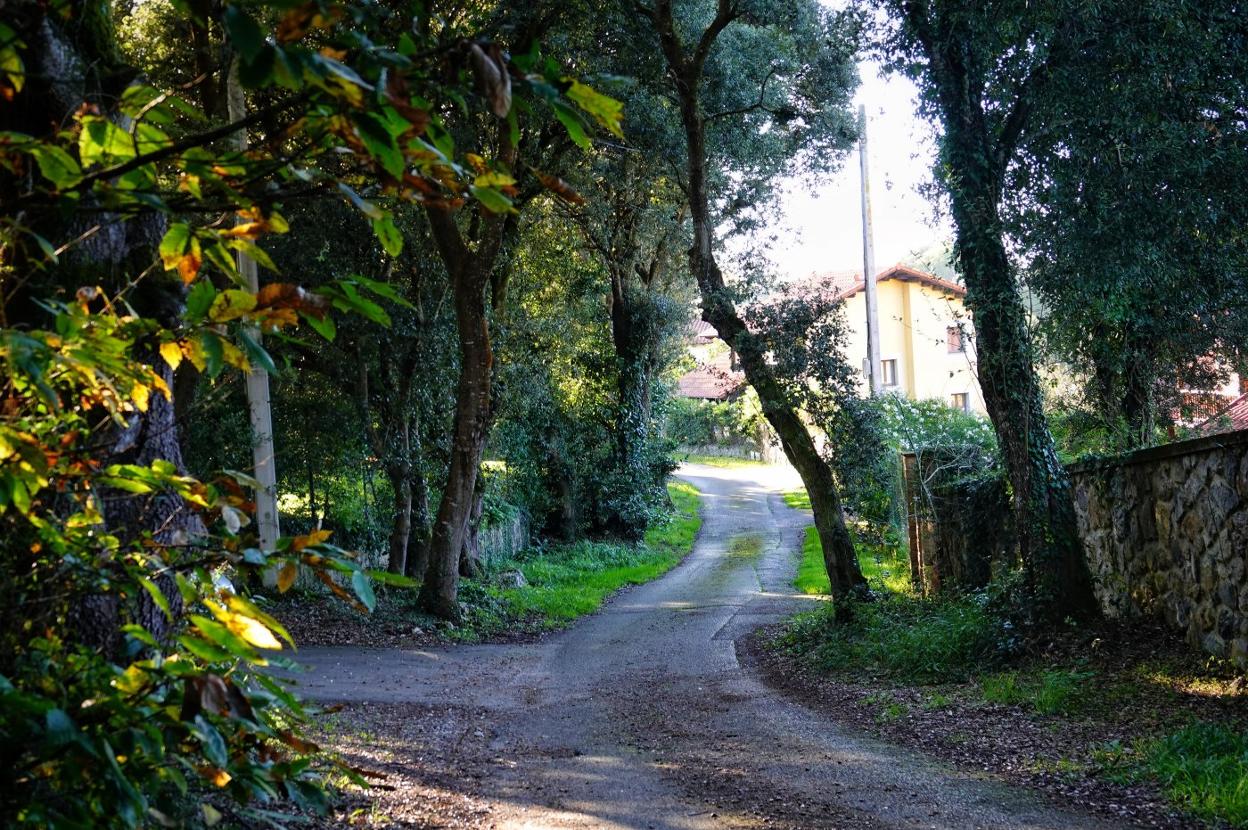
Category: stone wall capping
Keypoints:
(1189, 447)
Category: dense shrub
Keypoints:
(737, 422)
(900, 637)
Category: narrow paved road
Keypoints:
(641, 717)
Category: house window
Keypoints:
(888, 372)
(953, 336)
(962, 401)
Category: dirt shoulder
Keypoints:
(1137, 687)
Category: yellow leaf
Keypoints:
(188, 264)
(212, 816)
(159, 384)
(231, 304)
(286, 576)
(172, 353)
(131, 680)
(251, 630)
(494, 179)
(219, 777)
(233, 356)
(139, 394)
(194, 352)
(314, 538)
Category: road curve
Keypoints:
(640, 716)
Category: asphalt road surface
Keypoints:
(641, 716)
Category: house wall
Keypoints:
(913, 321)
(1165, 533)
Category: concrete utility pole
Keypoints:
(258, 406)
(868, 263)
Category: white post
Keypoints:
(258, 405)
(868, 263)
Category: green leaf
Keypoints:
(214, 353)
(173, 244)
(102, 141)
(200, 300)
(388, 235)
(45, 246)
(382, 289)
(245, 34)
(256, 353)
(397, 580)
(347, 298)
(572, 123)
(324, 326)
(56, 165)
(492, 200)
(211, 741)
(60, 727)
(10, 59)
(604, 109)
(259, 255)
(204, 650)
(380, 144)
(364, 589)
(158, 596)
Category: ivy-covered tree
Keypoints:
(1124, 204)
(981, 69)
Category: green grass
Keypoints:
(887, 573)
(729, 461)
(572, 580)
(797, 499)
(1202, 768)
(1048, 692)
(897, 636)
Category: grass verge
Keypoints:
(729, 461)
(569, 581)
(884, 572)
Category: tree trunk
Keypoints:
(1044, 511)
(839, 557)
(470, 275)
(470, 564)
(418, 537)
(634, 357)
(401, 526)
(64, 73)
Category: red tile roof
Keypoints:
(1233, 417)
(714, 381)
(848, 283)
(702, 331)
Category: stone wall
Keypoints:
(1165, 532)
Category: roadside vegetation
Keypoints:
(542, 588)
(569, 581)
(1126, 711)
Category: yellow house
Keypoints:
(926, 337)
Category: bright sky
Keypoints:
(823, 231)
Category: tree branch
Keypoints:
(757, 105)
